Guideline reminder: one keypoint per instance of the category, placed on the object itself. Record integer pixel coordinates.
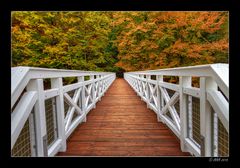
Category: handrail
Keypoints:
(30, 104)
(22, 75)
(182, 121)
(219, 72)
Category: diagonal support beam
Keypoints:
(72, 109)
(169, 104)
(152, 91)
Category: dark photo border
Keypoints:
(119, 5)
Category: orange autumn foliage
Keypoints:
(154, 40)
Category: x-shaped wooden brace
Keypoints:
(139, 86)
(73, 103)
(89, 96)
(151, 95)
(170, 106)
(96, 89)
(103, 85)
(100, 86)
(144, 89)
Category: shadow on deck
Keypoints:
(121, 125)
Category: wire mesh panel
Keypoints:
(194, 119)
(223, 149)
(220, 137)
(22, 146)
(50, 109)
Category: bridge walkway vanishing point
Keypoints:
(122, 125)
(141, 115)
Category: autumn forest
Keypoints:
(118, 41)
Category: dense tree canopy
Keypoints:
(114, 41)
(152, 40)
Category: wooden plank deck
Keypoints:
(121, 125)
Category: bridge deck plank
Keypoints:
(121, 125)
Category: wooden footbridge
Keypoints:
(140, 115)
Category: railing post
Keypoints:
(147, 90)
(159, 78)
(97, 90)
(83, 99)
(57, 83)
(206, 83)
(93, 91)
(40, 118)
(99, 86)
(184, 81)
(32, 134)
(141, 93)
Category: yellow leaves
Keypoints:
(15, 29)
(54, 50)
(48, 31)
(71, 30)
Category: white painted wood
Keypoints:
(215, 134)
(22, 75)
(184, 81)
(220, 106)
(170, 86)
(192, 91)
(206, 84)
(55, 148)
(73, 86)
(51, 93)
(32, 134)
(32, 78)
(19, 80)
(221, 77)
(152, 90)
(216, 75)
(159, 79)
(54, 117)
(73, 103)
(21, 114)
(57, 83)
(168, 106)
(74, 124)
(219, 72)
(148, 77)
(199, 70)
(171, 125)
(154, 108)
(72, 108)
(190, 119)
(39, 110)
(170, 101)
(192, 147)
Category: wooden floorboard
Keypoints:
(121, 125)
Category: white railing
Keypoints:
(28, 98)
(193, 114)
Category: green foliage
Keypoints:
(68, 40)
(118, 41)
